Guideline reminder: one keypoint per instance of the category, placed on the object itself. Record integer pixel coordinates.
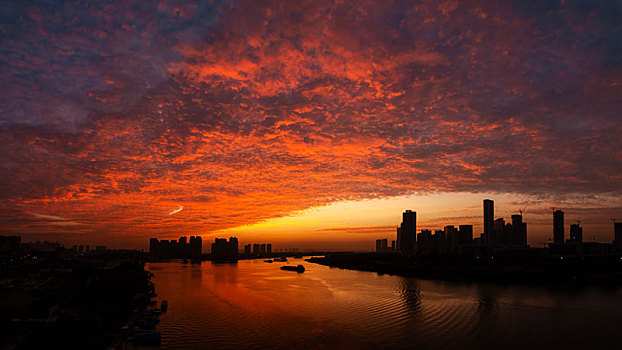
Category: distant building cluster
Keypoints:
(453, 240)
(225, 250)
(179, 249)
(14, 252)
(497, 235)
(258, 250)
(382, 246)
(575, 245)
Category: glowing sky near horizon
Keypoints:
(309, 122)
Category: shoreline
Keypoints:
(544, 271)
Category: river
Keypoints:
(255, 305)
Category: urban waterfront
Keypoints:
(255, 305)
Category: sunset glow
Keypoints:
(309, 124)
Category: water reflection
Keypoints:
(255, 305)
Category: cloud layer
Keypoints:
(115, 115)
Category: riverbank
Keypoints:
(71, 304)
(538, 270)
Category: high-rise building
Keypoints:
(424, 242)
(519, 231)
(408, 233)
(378, 246)
(384, 245)
(269, 249)
(617, 234)
(223, 250)
(256, 249)
(489, 218)
(176, 249)
(247, 249)
(502, 233)
(262, 249)
(558, 227)
(465, 235)
(576, 234)
(451, 239)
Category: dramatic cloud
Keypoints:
(112, 114)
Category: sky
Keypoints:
(308, 124)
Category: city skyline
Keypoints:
(291, 122)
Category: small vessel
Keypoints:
(299, 268)
(281, 259)
(268, 261)
(164, 306)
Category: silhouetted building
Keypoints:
(465, 235)
(223, 250)
(407, 234)
(425, 245)
(451, 239)
(268, 249)
(247, 250)
(256, 250)
(576, 234)
(617, 234)
(196, 246)
(174, 249)
(558, 227)
(393, 245)
(519, 231)
(438, 240)
(499, 235)
(489, 217)
(382, 245)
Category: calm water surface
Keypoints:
(255, 305)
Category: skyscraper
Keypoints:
(558, 227)
(519, 231)
(489, 218)
(576, 233)
(466, 234)
(408, 233)
(617, 228)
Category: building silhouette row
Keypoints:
(225, 250)
(575, 245)
(176, 249)
(497, 235)
(258, 250)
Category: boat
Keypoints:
(299, 268)
(268, 261)
(164, 306)
(281, 259)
